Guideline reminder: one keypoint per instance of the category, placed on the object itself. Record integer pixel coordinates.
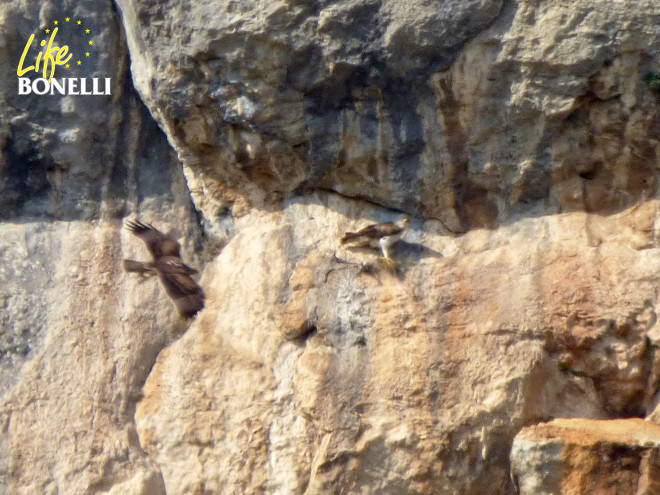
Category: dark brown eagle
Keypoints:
(382, 235)
(173, 273)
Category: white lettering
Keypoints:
(73, 86)
(35, 88)
(63, 86)
(83, 87)
(60, 85)
(24, 86)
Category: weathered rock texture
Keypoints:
(586, 456)
(314, 371)
(465, 112)
(521, 137)
(77, 338)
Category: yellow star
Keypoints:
(79, 62)
(56, 23)
(67, 66)
(87, 31)
(87, 54)
(48, 30)
(66, 19)
(79, 22)
(91, 42)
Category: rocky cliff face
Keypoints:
(519, 136)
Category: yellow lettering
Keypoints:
(52, 56)
(20, 71)
(62, 53)
(48, 55)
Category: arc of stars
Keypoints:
(87, 31)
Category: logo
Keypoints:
(45, 55)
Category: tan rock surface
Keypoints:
(77, 337)
(315, 370)
(528, 127)
(67, 424)
(578, 456)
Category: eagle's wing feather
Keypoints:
(379, 230)
(375, 231)
(137, 266)
(157, 242)
(184, 292)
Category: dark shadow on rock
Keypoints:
(409, 250)
(408, 254)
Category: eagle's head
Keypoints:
(403, 222)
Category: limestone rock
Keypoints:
(314, 369)
(77, 338)
(521, 136)
(581, 456)
(466, 112)
(49, 143)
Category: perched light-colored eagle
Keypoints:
(381, 235)
(172, 272)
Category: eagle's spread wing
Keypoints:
(157, 242)
(186, 294)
